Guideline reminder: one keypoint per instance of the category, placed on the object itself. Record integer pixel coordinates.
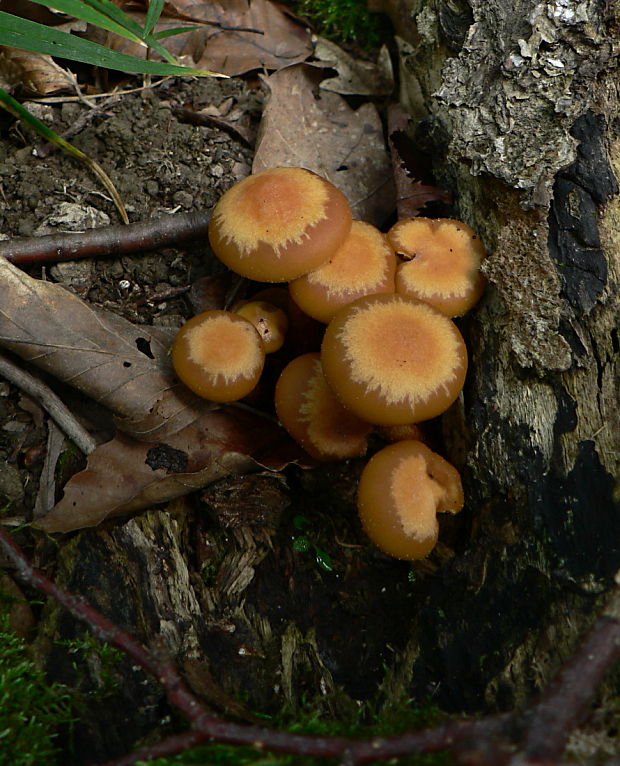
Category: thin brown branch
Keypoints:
(214, 728)
(566, 701)
(480, 742)
(50, 402)
(110, 240)
(178, 743)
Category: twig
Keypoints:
(43, 150)
(473, 742)
(214, 728)
(178, 743)
(566, 701)
(50, 402)
(110, 240)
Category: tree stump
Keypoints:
(519, 107)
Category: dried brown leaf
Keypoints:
(36, 73)
(238, 35)
(125, 475)
(355, 77)
(122, 366)
(322, 133)
(407, 164)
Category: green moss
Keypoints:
(345, 21)
(30, 710)
(393, 721)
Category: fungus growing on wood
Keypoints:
(219, 355)
(443, 263)
(279, 224)
(313, 416)
(392, 360)
(401, 490)
(364, 264)
(270, 322)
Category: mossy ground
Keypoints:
(345, 21)
(30, 710)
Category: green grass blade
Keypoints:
(30, 36)
(19, 111)
(152, 15)
(174, 31)
(107, 8)
(84, 12)
(105, 14)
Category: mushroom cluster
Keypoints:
(390, 355)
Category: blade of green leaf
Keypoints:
(152, 15)
(175, 31)
(112, 11)
(85, 12)
(19, 111)
(107, 8)
(30, 36)
(107, 16)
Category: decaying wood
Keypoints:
(519, 106)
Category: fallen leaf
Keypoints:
(324, 134)
(411, 193)
(355, 77)
(38, 74)
(125, 475)
(124, 367)
(237, 37)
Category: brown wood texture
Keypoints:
(518, 105)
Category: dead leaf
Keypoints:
(355, 77)
(411, 194)
(38, 74)
(322, 133)
(238, 35)
(125, 475)
(124, 367)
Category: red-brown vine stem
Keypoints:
(165, 231)
(481, 742)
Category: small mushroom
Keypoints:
(392, 360)
(219, 355)
(278, 224)
(442, 266)
(401, 490)
(364, 264)
(313, 416)
(270, 321)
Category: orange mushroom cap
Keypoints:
(364, 264)
(444, 270)
(313, 416)
(270, 322)
(219, 355)
(392, 360)
(401, 490)
(279, 224)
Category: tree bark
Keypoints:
(519, 104)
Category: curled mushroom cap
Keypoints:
(279, 224)
(364, 264)
(312, 415)
(270, 321)
(401, 490)
(444, 265)
(219, 355)
(392, 360)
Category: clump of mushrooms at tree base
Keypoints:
(390, 355)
